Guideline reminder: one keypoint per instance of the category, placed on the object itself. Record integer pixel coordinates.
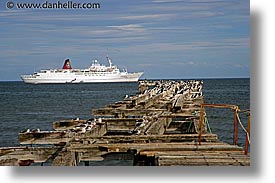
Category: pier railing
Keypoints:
(237, 120)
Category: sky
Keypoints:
(166, 39)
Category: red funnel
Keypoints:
(67, 64)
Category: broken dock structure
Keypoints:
(162, 125)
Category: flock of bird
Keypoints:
(30, 131)
(84, 127)
(79, 128)
(194, 87)
(87, 126)
(191, 87)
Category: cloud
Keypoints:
(150, 17)
(129, 27)
(165, 1)
(13, 13)
(236, 9)
(240, 66)
(184, 63)
(195, 45)
(146, 65)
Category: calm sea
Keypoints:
(25, 106)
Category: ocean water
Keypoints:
(227, 91)
(25, 106)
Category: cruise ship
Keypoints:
(96, 73)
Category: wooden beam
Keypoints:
(124, 112)
(149, 138)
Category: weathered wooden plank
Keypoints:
(6, 150)
(203, 158)
(178, 114)
(45, 137)
(200, 157)
(66, 124)
(122, 147)
(139, 98)
(66, 158)
(151, 101)
(201, 162)
(149, 138)
(121, 120)
(120, 123)
(157, 127)
(9, 162)
(31, 154)
(59, 137)
(91, 156)
(124, 112)
(230, 153)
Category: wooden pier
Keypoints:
(163, 125)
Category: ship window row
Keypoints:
(82, 72)
(58, 71)
(96, 74)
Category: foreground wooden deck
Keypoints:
(160, 126)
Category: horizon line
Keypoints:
(163, 78)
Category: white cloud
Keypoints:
(240, 66)
(13, 13)
(195, 45)
(149, 16)
(129, 27)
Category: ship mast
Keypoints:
(109, 60)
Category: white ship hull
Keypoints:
(73, 78)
